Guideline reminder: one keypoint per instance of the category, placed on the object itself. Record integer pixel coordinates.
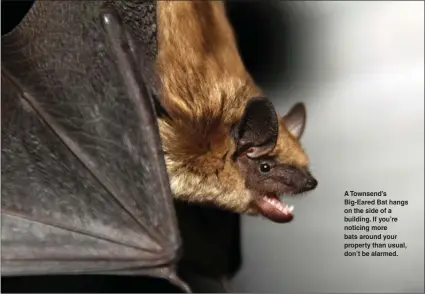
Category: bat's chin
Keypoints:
(273, 208)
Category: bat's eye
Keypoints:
(265, 168)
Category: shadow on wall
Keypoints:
(265, 33)
(266, 37)
(10, 20)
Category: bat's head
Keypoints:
(270, 158)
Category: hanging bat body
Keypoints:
(223, 141)
(85, 187)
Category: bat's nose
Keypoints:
(310, 184)
(302, 181)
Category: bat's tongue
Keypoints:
(274, 209)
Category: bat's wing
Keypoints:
(84, 185)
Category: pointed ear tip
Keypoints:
(300, 105)
(257, 104)
(297, 109)
(301, 108)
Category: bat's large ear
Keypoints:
(257, 131)
(295, 120)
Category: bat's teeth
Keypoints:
(275, 202)
(279, 205)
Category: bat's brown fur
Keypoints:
(205, 88)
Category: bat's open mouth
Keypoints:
(274, 209)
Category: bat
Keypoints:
(224, 142)
(84, 184)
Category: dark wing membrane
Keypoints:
(84, 185)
